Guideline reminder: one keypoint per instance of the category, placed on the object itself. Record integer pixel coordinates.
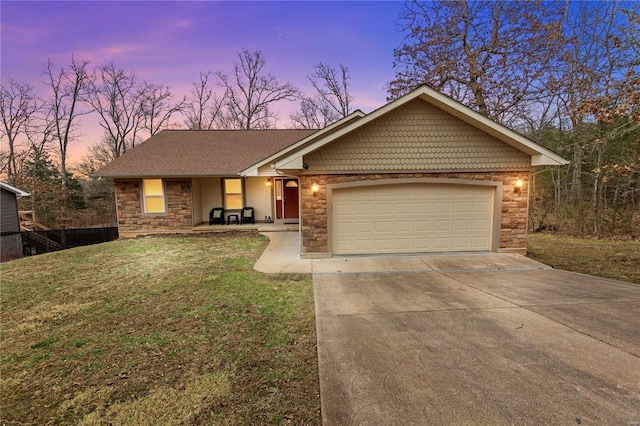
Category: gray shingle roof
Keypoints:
(183, 153)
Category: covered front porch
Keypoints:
(275, 201)
(260, 227)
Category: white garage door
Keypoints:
(409, 218)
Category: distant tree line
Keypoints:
(37, 132)
(566, 74)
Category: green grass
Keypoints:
(616, 259)
(157, 330)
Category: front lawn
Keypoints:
(157, 330)
(616, 259)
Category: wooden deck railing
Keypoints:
(28, 221)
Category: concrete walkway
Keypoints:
(283, 256)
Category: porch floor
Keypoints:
(260, 227)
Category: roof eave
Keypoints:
(544, 160)
(164, 176)
(19, 193)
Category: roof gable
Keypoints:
(416, 136)
(538, 154)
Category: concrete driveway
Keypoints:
(480, 339)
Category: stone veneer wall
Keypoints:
(513, 221)
(132, 220)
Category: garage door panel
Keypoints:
(480, 225)
(422, 244)
(479, 243)
(440, 207)
(383, 208)
(442, 243)
(342, 227)
(460, 243)
(385, 227)
(364, 193)
(461, 225)
(381, 245)
(362, 208)
(403, 208)
(402, 244)
(409, 218)
(361, 227)
(422, 207)
(400, 191)
(442, 191)
(343, 209)
(363, 244)
(340, 245)
(423, 225)
(463, 191)
(441, 225)
(424, 190)
(382, 191)
(481, 207)
(403, 226)
(461, 207)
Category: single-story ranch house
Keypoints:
(423, 173)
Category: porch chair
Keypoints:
(246, 215)
(216, 216)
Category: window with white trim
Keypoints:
(153, 196)
(233, 199)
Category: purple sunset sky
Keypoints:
(171, 42)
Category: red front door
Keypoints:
(286, 198)
(290, 198)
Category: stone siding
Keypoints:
(132, 220)
(513, 211)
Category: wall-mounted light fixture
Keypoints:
(314, 189)
(268, 182)
(518, 186)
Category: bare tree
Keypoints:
(491, 56)
(331, 100)
(157, 107)
(118, 99)
(333, 87)
(18, 106)
(593, 107)
(610, 96)
(205, 107)
(250, 91)
(41, 133)
(69, 87)
(595, 59)
(102, 152)
(312, 114)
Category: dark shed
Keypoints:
(11, 238)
